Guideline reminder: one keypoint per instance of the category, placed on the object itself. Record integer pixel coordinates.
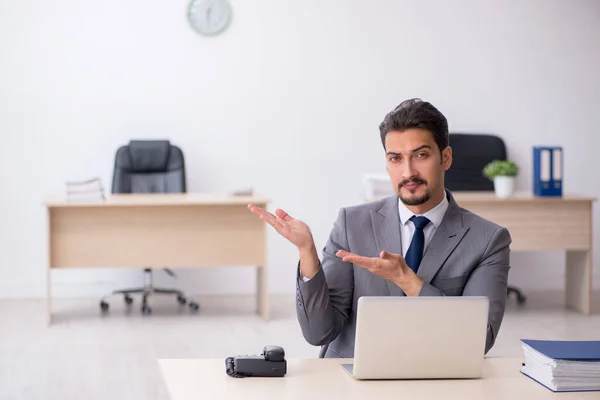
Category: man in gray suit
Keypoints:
(416, 243)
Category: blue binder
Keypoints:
(566, 349)
(568, 357)
(547, 171)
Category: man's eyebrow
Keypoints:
(393, 153)
(425, 146)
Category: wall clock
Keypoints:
(209, 17)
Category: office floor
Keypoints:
(85, 356)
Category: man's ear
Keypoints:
(447, 158)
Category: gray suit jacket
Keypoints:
(467, 256)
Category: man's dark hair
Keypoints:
(416, 113)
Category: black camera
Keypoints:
(270, 363)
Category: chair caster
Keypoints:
(181, 300)
(128, 299)
(146, 310)
(194, 306)
(521, 298)
(104, 306)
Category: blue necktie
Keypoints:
(415, 251)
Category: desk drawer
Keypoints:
(540, 226)
(156, 236)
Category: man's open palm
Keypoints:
(294, 230)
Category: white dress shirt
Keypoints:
(407, 228)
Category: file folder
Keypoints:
(566, 349)
(563, 366)
(548, 171)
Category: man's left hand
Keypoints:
(388, 266)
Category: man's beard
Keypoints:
(413, 201)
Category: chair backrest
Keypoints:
(149, 166)
(471, 152)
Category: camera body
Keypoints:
(271, 363)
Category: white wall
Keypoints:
(287, 100)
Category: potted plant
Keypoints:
(502, 173)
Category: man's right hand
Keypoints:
(290, 228)
(297, 232)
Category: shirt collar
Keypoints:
(435, 215)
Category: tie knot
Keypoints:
(420, 222)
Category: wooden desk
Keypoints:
(192, 379)
(157, 231)
(545, 223)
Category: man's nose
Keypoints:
(409, 170)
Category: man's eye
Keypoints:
(421, 155)
(394, 159)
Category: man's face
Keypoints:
(415, 166)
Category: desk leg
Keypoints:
(49, 296)
(262, 292)
(579, 281)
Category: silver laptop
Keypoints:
(419, 337)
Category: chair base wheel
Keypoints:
(521, 298)
(104, 306)
(194, 306)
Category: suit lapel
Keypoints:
(445, 239)
(386, 226)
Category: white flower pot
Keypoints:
(504, 186)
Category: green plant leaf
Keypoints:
(500, 168)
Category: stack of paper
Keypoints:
(377, 186)
(563, 366)
(90, 189)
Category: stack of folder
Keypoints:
(377, 186)
(563, 366)
(91, 189)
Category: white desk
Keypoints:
(159, 230)
(312, 379)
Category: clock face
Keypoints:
(209, 17)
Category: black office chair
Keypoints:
(472, 152)
(149, 166)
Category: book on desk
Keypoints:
(563, 366)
